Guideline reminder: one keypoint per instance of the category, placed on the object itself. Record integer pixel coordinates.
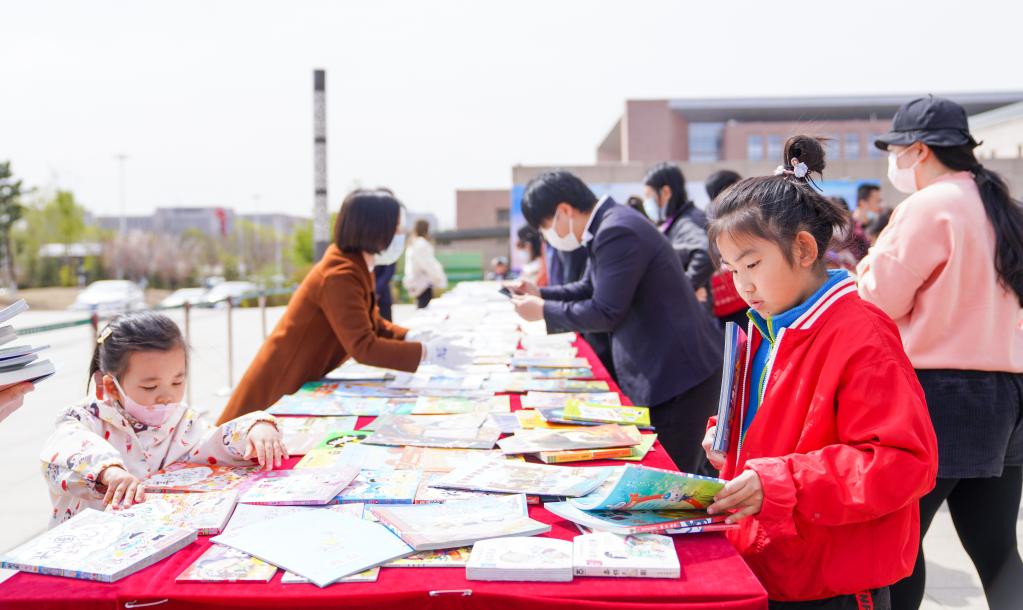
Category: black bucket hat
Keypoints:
(935, 121)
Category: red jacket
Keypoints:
(844, 447)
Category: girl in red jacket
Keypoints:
(831, 444)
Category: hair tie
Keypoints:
(795, 168)
(103, 335)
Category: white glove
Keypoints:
(443, 352)
(419, 335)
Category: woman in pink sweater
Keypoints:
(949, 270)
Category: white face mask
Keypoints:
(567, 243)
(653, 211)
(153, 415)
(392, 252)
(902, 178)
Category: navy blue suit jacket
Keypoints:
(663, 341)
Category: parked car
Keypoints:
(179, 297)
(108, 296)
(217, 296)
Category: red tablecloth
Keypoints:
(713, 576)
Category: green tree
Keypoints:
(69, 221)
(11, 212)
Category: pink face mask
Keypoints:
(152, 415)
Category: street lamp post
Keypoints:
(123, 221)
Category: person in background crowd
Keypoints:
(499, 269)
(949, 270)
(666, 349)
(830, 444)
(529, 243)
(333, 316)
(684, 224)
(848, 249)
(636, 203)
(728, 306)
(423, 272)
(12, 397)
(869, 204)
(877, 225)
(384, 274)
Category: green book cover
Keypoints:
(576, 410)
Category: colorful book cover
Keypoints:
(321, 545)
(596, 437)
(426, 381)
(531, 419)
(370, 575)
(635, 556)
(459, 523)
(508, 382)
(439, 558)
(436, 459)
(449, 405)
(548, 373)
(731, 378)
(361, 456)
(206, 513)
(508, 476)
(585, 412)
(462, 431)
(94, 545)
(223, 564)
(427, 494)
(521, 559)
(525, 362)
(703, 529)
(542, 400)
(332, 452)
(583, 455)
(340, 406)
(182, 477)
(348, 391)
(632, 521)
(381, 487)
(639, 451)
(639, 488)
(307, 487)
(356, 371)
(300, 434)
(566, 385)
(507, 423)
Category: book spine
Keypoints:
(703, 529)
(558, 457)
(626, 572)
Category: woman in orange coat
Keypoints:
(333, 315)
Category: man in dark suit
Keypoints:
(666, 347)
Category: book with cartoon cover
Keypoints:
(509, 476)
(634, 556)
(731, 379)
(583, 455)
(521, 559)
(300, 434)
(438, 558)
(333, 405)
(95, 545)
(633, 521)
(221, 563)
(566, 385)
(381, 487)
(206, 513)
(370, 575)
(646, 444)
(525, 362)
(182, 477)
(436, 459)
(549, 373)
(596, 437)
(576, 410)
(542, 400)
(450, 405)
(308, 487)
(428, 494)
(464, 431)
(634, 487)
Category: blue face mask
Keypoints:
(653, 211)
(392, 252)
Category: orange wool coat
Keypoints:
(332, 315)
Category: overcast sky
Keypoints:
(212, 100)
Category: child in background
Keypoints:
(136, 424)
(831, 443)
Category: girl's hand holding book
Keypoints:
(123, 488)
(743, 494)
(265, 444)
(716, 458)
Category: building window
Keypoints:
(873, 151)
(502, 216)
(705, 142)
(774, 150)
(832, 148)
(852, 145)
(755, 147)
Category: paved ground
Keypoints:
(952, 581)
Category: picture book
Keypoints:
(334, 451)
(550, 373)
(596, 437)
(566, 385)
(206, 513)
(247, 514)
(223, 564)
(427, 494)
(439, 558)
(448, 405)
(461, 522)
(381, 487)
(426, 381)
(321, 545)
(703, 529)
(539, 400)
(562, 340)
(580, 411)
(646, 445)
(95, 545)
(300, 434)
(635, 556)
(521, 559)
(307, 404)
(370, 575)
(505, 422)
(531, 419)
(731, 379)
(436, 459)
(307, 487)
(507, 476)
(340, 406)
(583, 455)
(632, 521)
(516, 382)
(182, 477)
(355, 371)
(524, 362)
(639, 488)
(454, 431)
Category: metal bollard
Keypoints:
(262, 311)
(188, 342)
(230, 344)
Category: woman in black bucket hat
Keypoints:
(949, 270)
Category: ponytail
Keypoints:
(1004, 213)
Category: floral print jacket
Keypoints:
(94, 435)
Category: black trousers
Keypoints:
(424, 299)
(878, 599)
(681, 424)
(984, 512)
